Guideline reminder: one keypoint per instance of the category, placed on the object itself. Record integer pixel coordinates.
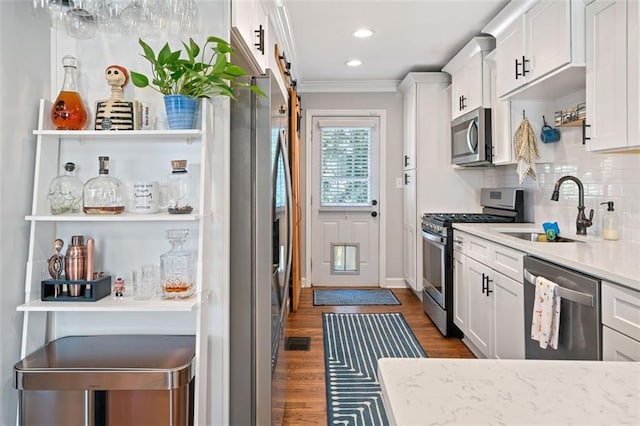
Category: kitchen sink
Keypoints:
(538, 237)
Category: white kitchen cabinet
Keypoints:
(249, 32)
(489, 296)
(612, 75)
(410, 111)
(425, 122)
(470, 77)
(621, 309)
(618, 347)
(480, 313)
(460, 291)
(508, 321)
(126, 241)
(509, 54)
(501, 137)
(546, 41)
(410, 230)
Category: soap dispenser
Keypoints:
(610, 223)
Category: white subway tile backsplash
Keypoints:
(606, 177)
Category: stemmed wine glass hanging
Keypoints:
(83, 18)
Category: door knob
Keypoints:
(374, 202)
(374, 214)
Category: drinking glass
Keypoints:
(185, 16)
(145, 281)
(135, 19)
(80, 23)
(108, 15)
(58, 11)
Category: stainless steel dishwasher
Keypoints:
(580, 336)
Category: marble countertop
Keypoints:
(434, 391)
(615, 261)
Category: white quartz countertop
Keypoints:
(434, 391)
(616, 261)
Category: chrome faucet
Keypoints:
(582, 223)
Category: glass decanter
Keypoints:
(65, 192)
(103, 194)
(178, 188)
(176, 267)
(68, 112)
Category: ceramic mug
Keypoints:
(549, 134)
(146, 197)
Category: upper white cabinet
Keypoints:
(410, 93)
(538, 50)
(612, 75)
(470, 87)
(249, 32)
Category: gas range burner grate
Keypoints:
(445, 219)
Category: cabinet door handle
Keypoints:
(406, 179)
(517, 73)
(260, 35)
(584, 132)
(488, 291)
(406, 160)
(462, 104)
(459, 103)
(483, 287)
(524, 66)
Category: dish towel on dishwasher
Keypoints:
(545, 322)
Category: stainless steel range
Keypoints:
(500, 205)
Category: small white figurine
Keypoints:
(117, 113)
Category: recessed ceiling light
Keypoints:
(354, 63)
(363, 33)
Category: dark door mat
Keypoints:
(297, 343)
(354, 297)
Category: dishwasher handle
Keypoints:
(565, 293)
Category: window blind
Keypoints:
(345, 165)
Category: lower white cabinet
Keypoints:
(459, 291)
(480, 309)
(618, 347)
(508, 309)
(621, 323)
(488, 301)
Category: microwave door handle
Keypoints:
(472, 149)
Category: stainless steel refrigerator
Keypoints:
(260, 251)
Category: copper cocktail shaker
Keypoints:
(75, 264)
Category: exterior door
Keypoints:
(344, 201)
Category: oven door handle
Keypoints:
(435, 238)
(565, 293)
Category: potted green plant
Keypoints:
(205, 72)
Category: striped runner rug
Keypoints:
(353, 343)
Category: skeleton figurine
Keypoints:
(117, 113)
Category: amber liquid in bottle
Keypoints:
(68, 112)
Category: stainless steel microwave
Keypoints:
(471, 138)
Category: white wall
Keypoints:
(606, 177)
(24, 79)
(392, 103)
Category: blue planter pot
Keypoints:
(181, 111)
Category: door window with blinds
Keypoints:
(346, 169)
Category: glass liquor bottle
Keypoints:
(65, 192)
(176, 267)
(178, 188)
(68, 112)
(103, 194)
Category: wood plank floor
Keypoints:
(300, 374)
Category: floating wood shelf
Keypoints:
(576, 123)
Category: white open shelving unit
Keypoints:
(126, 241)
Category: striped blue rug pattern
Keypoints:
(353, 343)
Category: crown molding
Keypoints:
(319, 86)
